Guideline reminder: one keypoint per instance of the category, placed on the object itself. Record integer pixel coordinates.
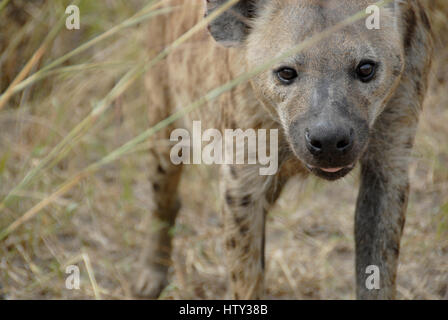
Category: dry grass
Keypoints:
(101, 225)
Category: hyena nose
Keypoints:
(324, 141)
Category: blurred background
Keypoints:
(49, 134)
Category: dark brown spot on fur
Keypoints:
(418, 87)
(402, 198)
(244, 229)
(239, 220)
(396, 72)
(233, 172)
(402, 223)
(246, 200)
(233, 276)
(410, 143)
(160, 169)
(231, 244)
(229, 199)
(424, 17)
(411, 22)
(156, 187)
(396, 249)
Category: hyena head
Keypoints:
(327, 96)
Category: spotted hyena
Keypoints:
(353, 98)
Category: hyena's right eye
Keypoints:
(286, 75)
(366, 70)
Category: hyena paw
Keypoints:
(149, 284)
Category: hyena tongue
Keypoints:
(331, 170)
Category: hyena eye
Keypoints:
(366, 70)
(286, 75)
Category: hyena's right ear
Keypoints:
(232, 27)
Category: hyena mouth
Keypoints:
(331, 173)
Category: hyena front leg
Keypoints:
(246, 198)
(164, 178)
(382, 203)
(155, 259)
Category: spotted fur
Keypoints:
(248, 34)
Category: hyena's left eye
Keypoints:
(366, 70)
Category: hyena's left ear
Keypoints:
(232, 27)
(406, 18)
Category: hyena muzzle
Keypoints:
(353, 98)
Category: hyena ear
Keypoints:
(231, 28)
(405, 17)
